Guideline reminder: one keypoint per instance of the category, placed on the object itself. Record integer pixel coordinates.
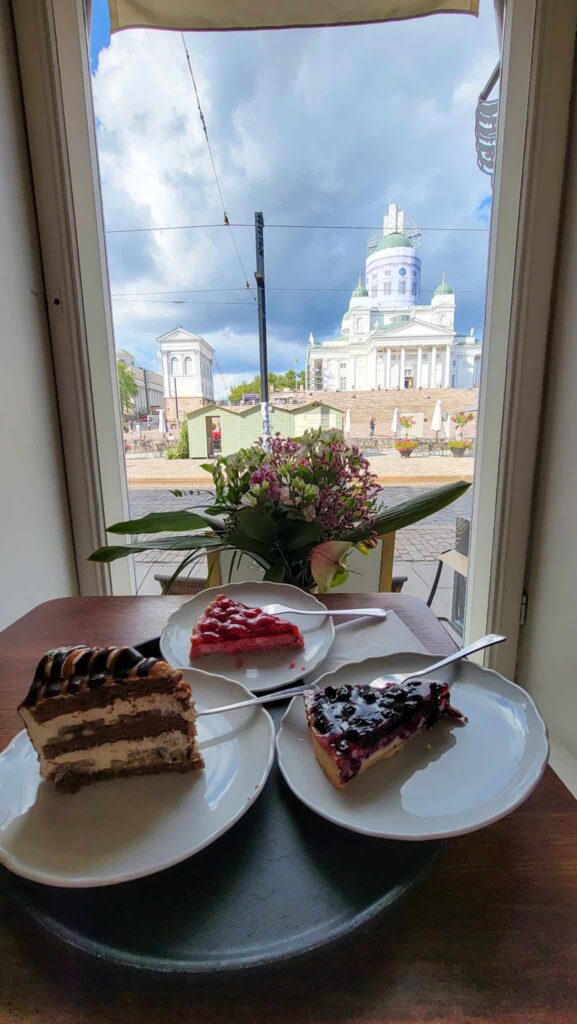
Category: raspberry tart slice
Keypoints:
(229, 627)
(353, 727)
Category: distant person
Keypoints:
(372, 426)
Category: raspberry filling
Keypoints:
(228, 626)
(352, 723)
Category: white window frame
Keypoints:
(535, 89)
(53, 58)
(535, 95)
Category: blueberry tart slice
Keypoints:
(353, 727)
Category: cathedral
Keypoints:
(388, 339)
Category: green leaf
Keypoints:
(159, 522)
(300, 534)
(276, 573)
(238, 539)
(111, 552)
(258, 525)
(408, 512)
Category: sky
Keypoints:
(318, 127)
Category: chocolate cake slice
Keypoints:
(98, 713)
(353, 727)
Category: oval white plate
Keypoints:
(124, 829)
(448, 780)
(264, 670)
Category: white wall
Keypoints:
(36, 558)
(547, 661)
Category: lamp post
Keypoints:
(260, 286)
(174, 394)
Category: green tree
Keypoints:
(180, 450)
(127, 386)
(276, 381)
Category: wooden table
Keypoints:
(490, 937)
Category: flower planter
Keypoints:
(406, 454)
(459, 452)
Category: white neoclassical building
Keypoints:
(186, 372)
(388, 339)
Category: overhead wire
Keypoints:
(304, 227)
(212, 160)
(210, 291)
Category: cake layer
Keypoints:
(70, 781)
(257, 643)
(132, 727)
(69, 724)
(78, 671)
(46, 710)
(130, 753)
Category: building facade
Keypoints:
(388, 338)
(150, 397)
(186, 372)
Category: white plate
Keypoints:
(123, 829)
(448, 780)
(264, 670)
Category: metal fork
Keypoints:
(379, 683)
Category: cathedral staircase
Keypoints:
(382, 404)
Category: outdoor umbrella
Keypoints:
(161, 421)
(395, 423)
(437, 420)
(448, 427)
(347, 426)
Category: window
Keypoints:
(402, 287)
(174, 366)
(342, 384)
(414, 288)
(318, 376)
(188, 366)
(387, 288)
(402, 271)
(387, 273)
(414, 273)
(374, 292)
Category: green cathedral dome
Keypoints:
(360, 292)
(443, 288)
(395, 240)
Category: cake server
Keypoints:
(398, 677)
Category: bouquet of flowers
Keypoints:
(297, 507)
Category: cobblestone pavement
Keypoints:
(422, 542)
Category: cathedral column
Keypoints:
(432, 371)
(388, 369)
(402, 370)
(418, 382)
(448, 366)
(371, 381)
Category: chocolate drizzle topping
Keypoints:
(68, 671)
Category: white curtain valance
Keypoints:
(199, 15)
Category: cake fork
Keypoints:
(379, 682)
